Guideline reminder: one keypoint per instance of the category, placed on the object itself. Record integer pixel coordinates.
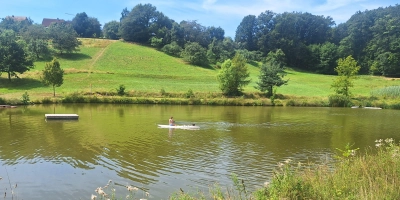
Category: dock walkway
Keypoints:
(61, 116)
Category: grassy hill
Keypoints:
(103, 65)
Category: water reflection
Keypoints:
(123, 143)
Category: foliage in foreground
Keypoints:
(374, 175)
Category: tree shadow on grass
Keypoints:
(74, 56)
(20, 83)
(255, 64)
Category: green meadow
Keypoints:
(101, 66)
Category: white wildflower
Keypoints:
(353, 152)
(266, 184)
(389, 140)
(93, 197)
(130, 188)
(287, 161)
(100, 191)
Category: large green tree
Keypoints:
(53, 75)
(195, 32)
(347, 70)
(246, 33)
(36, 36)
(194, 53)
(16, 24)
(233, 76)
(142, 23)
(272, 72)
(111, 29)
(86, 26)
(64, 38)
(14, 56)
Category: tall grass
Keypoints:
(373, 175)
(387, 92)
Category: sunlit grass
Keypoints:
(103, 65)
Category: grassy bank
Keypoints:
(373, 174)
(103, 65)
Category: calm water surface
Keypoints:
(70, 159)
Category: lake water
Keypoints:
(70, 159)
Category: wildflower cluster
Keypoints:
(389, 145)
(131, 189)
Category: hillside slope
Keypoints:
(103, 65)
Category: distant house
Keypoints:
(46, 21)
(17, 18)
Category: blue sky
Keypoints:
(226, 14)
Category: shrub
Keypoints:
(162, 92)
(2, 101)
(172, 49)
(25, 98)
(189, 94)
(46, 100)
(339, 100)
(121, 90)
(74, 98)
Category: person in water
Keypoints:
(171, 121)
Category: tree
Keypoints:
(53, 75)
(272, 72)
(246, 33)
(172, 49)
(195, 32)
(110, 30)
(347, 70)
(195, 54)
(64, 37)
(136, 26)
(17, 24)
(14, 57)
(233, 76)
(37, 37)
(86, 26)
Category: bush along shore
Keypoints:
(190, 98)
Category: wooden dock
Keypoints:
(7, 106)
(61, 116)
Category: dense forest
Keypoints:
(309, 42)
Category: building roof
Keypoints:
(17, 18)
(46, 21)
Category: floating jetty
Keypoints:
(373, 108)
(61, 116)
(7, 106)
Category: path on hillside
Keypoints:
(97, 56)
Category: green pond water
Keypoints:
(69, 159)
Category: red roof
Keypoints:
(46, 21)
